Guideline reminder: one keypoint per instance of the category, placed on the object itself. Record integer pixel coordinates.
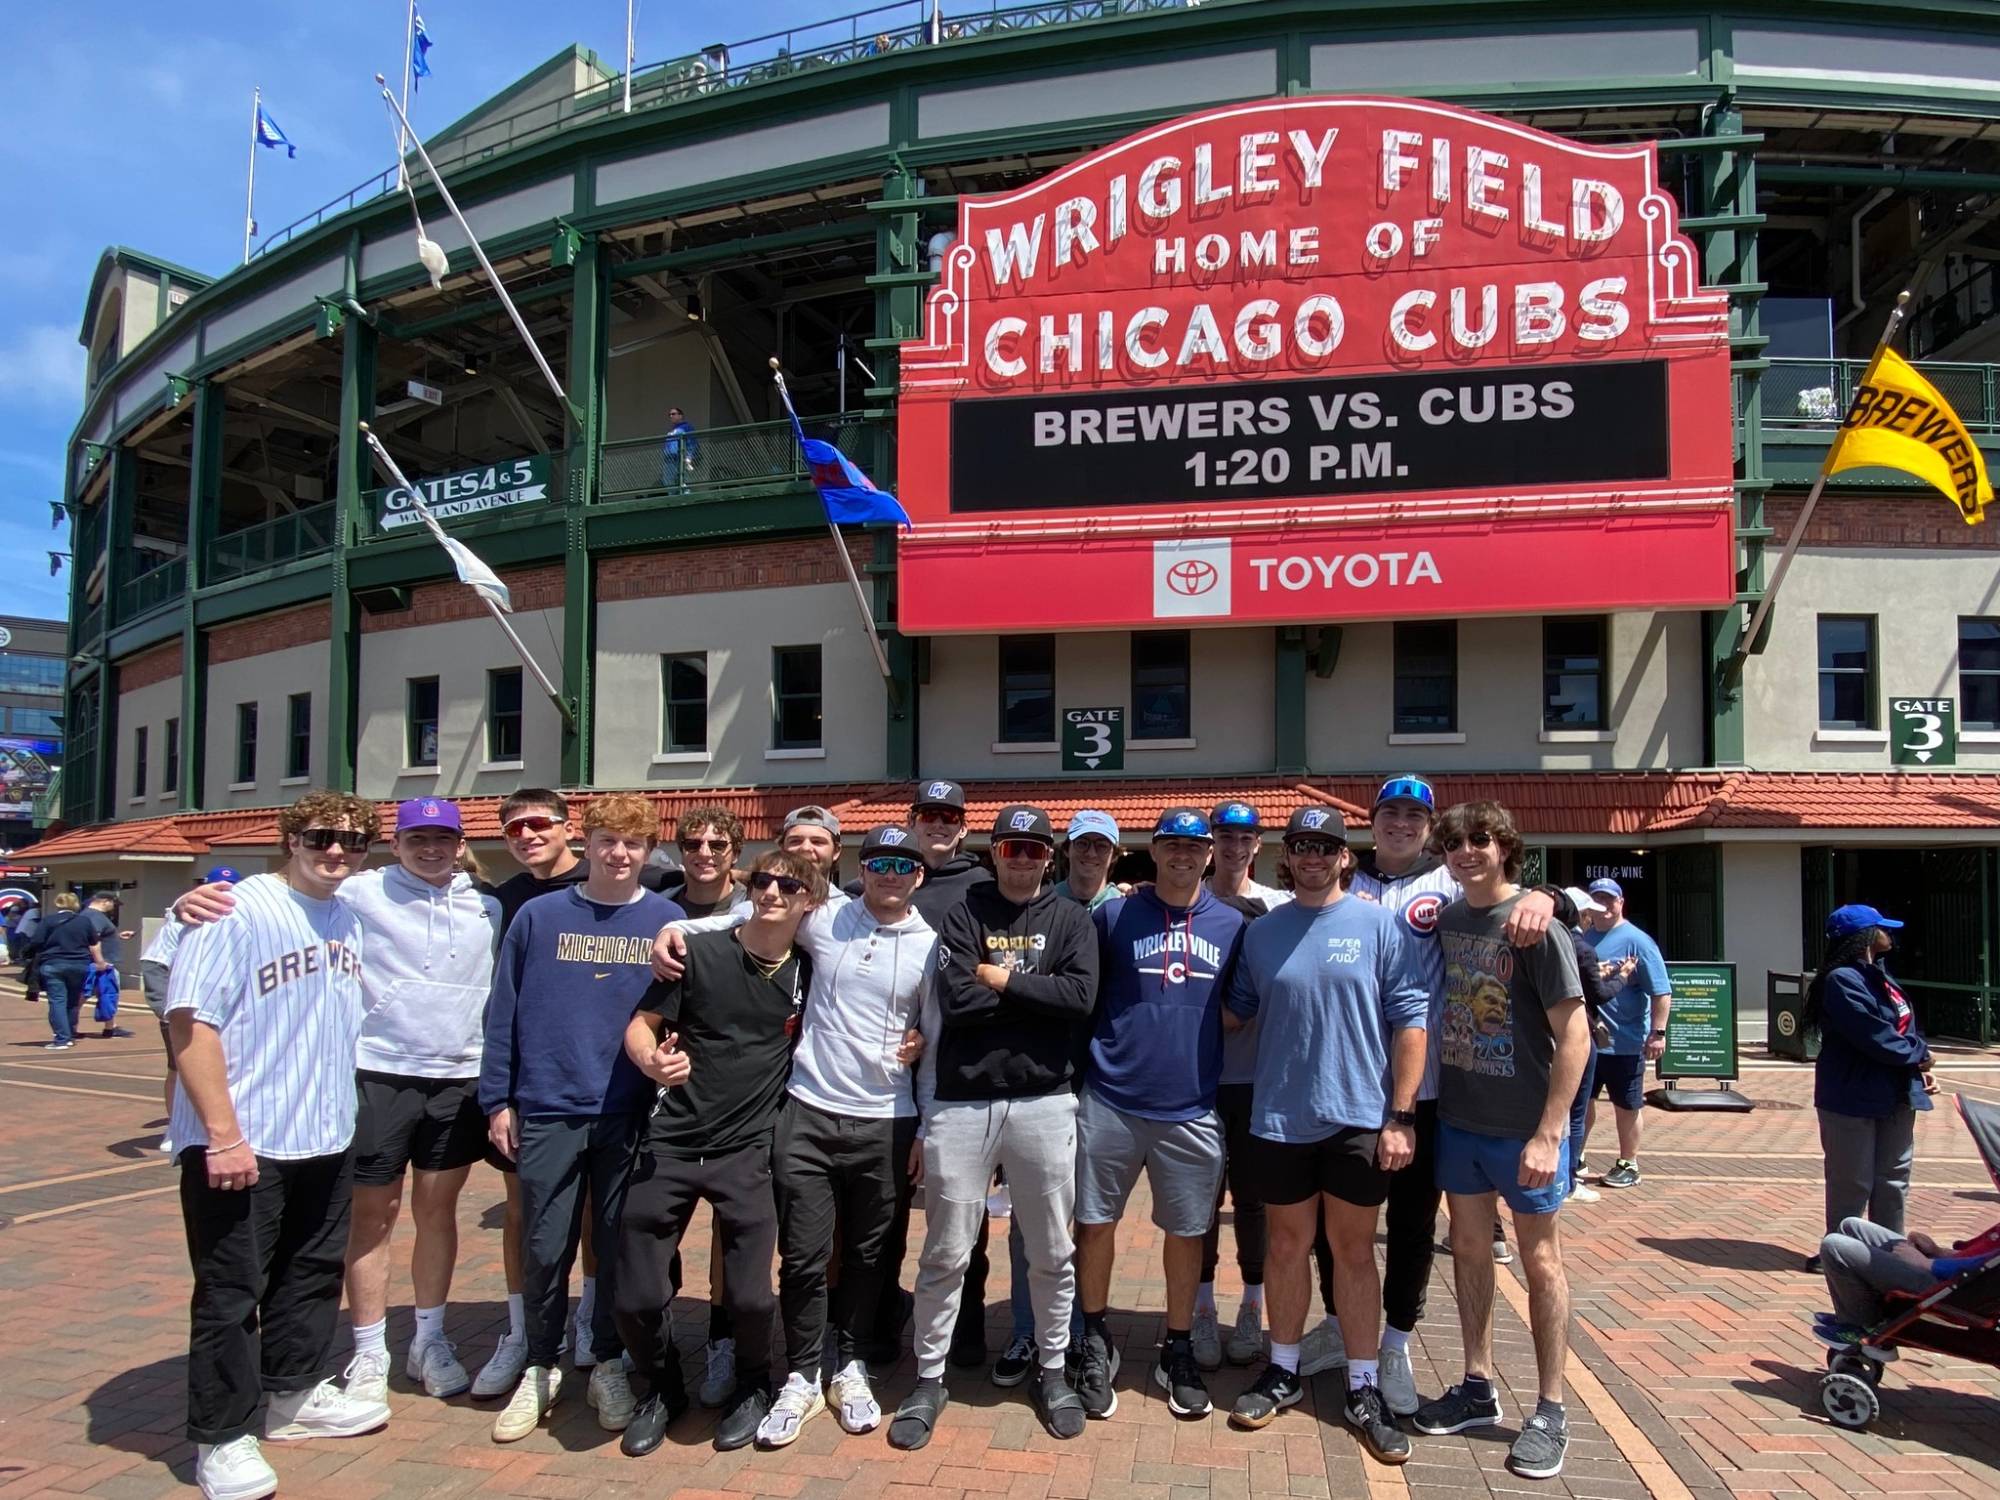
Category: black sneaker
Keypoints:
(1061, 1408)
(968, 1339)
(886, 1346)
(1274, 1390)
(1458, 1410)
(917, 1417)
(1096, 1370)
(648, 1427)
(742, 1414)
(1623, 1174)
(1179, 1374)
(1538, 1452)
(1812, 1265)
(1012, 1367)
(1368, 1414)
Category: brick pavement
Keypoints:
(1692, 1374)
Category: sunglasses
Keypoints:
(1021, 849)
(1480, 840)
(353, 840)
(889, 864)
(1312, 848)
(704, 846)
(947, 815)
(787, 885)
(530, 823)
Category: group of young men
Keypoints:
(814, 1061)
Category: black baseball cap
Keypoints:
(890, 838)
(1317, 823)
(938, 794)
(1021, 821)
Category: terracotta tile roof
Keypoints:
(138, 836)
(1828, 799)
(1555, 803)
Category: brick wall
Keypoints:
(726, 569)
(1879, 521)
(441, 603)
(268, 633)
(149, 667)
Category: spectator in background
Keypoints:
(1637, 1019)
(678, 451)
(68, 950)
(1872, 1077)
(106, 983)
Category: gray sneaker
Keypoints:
(1538, 1452)
(1624, 1173)
(1207, 1339)
(1246, 1339)
(1457, 1410)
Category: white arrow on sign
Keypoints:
(1092, 762)
(1923, 755)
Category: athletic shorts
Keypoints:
(1341, 1165)
(1471, 1164)
(432, 1124)
(1182, 1161)
(1623, 1079)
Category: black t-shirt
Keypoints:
(515, 893)
(65, 936)
(737, 1028)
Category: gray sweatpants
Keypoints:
(1867, 1166)
(1035, 1141)
(1861, 1261)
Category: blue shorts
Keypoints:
(1623, 1079)
(1469, 1163)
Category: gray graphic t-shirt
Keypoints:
(1495, 1044)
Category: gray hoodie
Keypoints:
(428, 969)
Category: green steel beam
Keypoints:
(343, 654)
(1918, 178)
(587, 359)
(204, 500)
(755, 245)
(487, 307)
(898, 285)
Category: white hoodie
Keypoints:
(428, 970)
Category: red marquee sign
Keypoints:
(1318, 360)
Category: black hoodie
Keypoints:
(1024, 1041)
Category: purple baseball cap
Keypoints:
(427, 812)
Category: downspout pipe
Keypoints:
(1854, 254)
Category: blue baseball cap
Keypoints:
(1408, 789)
(1846, 920)
(1183, 823)
(1607, 887)
(1236, 815)
(1090, 820)
(220, 874)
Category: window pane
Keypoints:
(1979, 706)
(1843, 642)
(1847, 671)
(139, 761)
(422, 747)
(170, 779)
(503, 714)
(298, 739)
(686, 692)
(1979, 674)
(1426, 656)
(796, 677)
(1028, 689)
(1160, 685)
(1573, 672)
(1979, 645)
(246, 742)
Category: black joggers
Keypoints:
(268, 1262)
(559, 1156)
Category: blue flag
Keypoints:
(268, 133)
(849, 496)
(420, 46)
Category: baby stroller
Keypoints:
(1956, 1317)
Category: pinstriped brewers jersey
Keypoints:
(1417, 899)
(280, 979)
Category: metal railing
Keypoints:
(269, 543)
(1813, 394)
(89, 626)
(761, 59)
(729, 457)
(153, 590)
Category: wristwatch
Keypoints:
(1402, 1117)
(1657, 1036)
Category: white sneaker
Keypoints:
(1583, 1192)
(610, 1391)
(585, 1357)
(1246, 1340)
(502, 1370)
(434, 1365)
(797, 1404)
(1207, 1339)
(1321, 1349)
(859, 1411)
(234, 1470)
(537, 1392)
(720, 1380)
(367, 1376)
(1397, 1382)
(323, 1411)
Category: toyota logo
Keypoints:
(1192, 577)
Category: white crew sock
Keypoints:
(1253, 1293)
(372, 1338)
(1285, 1356)
(1395, 1338)
(586, 1305)
(1204, 1297)
(1361, 1372)
(430, 1325)
(517, 1316)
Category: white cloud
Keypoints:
(42, 364)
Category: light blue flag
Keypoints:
(268, 133)
(420, 66)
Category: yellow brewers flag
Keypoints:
(1899, 421)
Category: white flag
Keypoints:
(473, 573)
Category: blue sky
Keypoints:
(131, 127)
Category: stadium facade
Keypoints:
(254, 612)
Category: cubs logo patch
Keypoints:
(1422, 913)
(1176, 972)
(430, 809)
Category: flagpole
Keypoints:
(1748, 644)
(479, 251)
(628, 54)
(840, 549)
(250, 192)
(409, 51)
(500, 619)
